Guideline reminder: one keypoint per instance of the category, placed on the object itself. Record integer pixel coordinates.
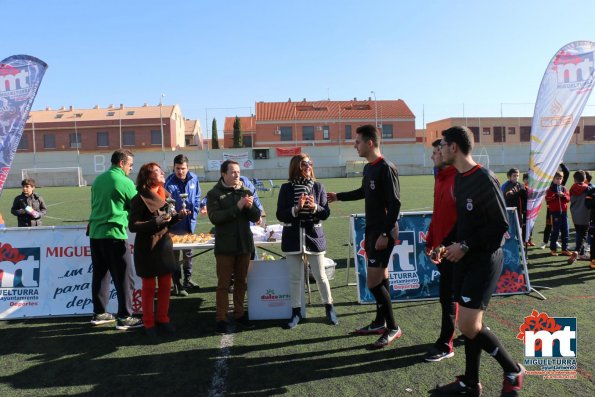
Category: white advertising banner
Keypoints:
(214, 165)
(564, 91)
(47, 271)
(246, 163)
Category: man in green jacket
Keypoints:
(110, 201)
(231, 208)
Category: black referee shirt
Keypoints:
(380, 188)
(482, 220)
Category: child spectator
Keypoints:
(580, 214)
(515, 195)
(591, 186)
(28, 206)
(557, 198)
(530, 243)
(590, 203)
(548, 216)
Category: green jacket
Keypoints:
(111, 194)
(232, 225)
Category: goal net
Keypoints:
(483, 158)
(59, 176)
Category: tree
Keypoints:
(214, 136)
(237, 133)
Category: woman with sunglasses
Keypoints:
(153, 247)
(302, 206)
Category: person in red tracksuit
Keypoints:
(443, 220)
(557, 199)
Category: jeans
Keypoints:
(559, 226)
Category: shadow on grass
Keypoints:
(70, 354)
(272, 375)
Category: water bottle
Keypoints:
(29, 210)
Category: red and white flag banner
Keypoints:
(562, 96)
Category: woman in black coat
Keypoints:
(153, 247)
(302, 205)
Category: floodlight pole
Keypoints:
(161, 126)
(375, 107)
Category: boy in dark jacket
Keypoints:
(557, 199)
(515, 195)
(590, 203)
(28, 206)
(580, 215)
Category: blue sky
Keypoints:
(444, 58)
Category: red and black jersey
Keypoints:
(482, 220)
(445, 212)
(380, 188)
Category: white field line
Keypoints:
(220, 373)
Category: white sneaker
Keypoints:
(543, 246)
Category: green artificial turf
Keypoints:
(67, 356)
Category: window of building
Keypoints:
(128, 138)
(130, 113)
(155, 137)
(260, 154)
(326, 132)
(110, 114)
(499, 135)
(23, 143)
(102, 139)
(247, 140)
(525, 133)
(348, 132)
(59, 115)
(387, 131)
(307, 133)
(475, 131)
(589, 133)
(75, 140)
(286, 133)
(49, 141)
(511, 131)
(486, 131)
(78, 115)
(577, 130)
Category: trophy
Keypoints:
(171, 207)
(183, 196)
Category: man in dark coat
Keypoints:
(231, 209)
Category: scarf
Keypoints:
(301, 185)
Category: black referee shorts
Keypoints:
(378, 258)
(476, 278)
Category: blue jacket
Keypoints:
(313, 237)
(191, 186)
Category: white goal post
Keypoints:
(59, 176)
(483, 158)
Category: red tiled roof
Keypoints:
(305, 110)
(108, 113)
(189, 125)
(247, 124)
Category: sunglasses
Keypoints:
(307, 164)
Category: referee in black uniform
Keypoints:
(475, 248)
(380, 188)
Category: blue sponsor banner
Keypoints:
(412, 276)
(20, 76)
